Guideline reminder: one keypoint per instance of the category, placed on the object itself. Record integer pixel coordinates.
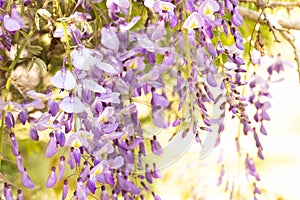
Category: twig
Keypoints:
(272, 29)
(254, 16)
(289, 37)
(273, 4)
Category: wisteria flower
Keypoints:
(71, 104)
(193, 21)
(52, 146)
(26, 180)
(109, 38)
(14, 22)
(128, 26)
(120, 3)
(208, 8)
(135, 63)
(82, 58)
(51, 181)
(64, 79)
(159, 6)
(80, 138)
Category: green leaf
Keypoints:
(31, 63)
(41, 64)
(25, 35)
(34, 49)
(37, 21)
(45, 14)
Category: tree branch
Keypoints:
(273, 4)
(254, 16)
(291, 40)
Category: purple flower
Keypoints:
(52, 146)
(7, 192)
(128, 26)
(135, 143)
(60, 137)
(250, 167)
(91, 184)
(109, 178)
(65, 190)
(27, 2)
(14, 22)
(117, 162)
(169, 59)
(53, 107)
(256, 189)
(173, 19)
(148, 174)
(211, 80)
(142, 148)
(263, 130)
(159, 120)
(222, 172)
(61, 167)
(14, 143)
(237, 18)
(20, 195)
(135, 63)
(22, 116)
(85, 171)
(64, 79)
(109, 38)
(26, 180)
(71, 105)
(156, 197)
(193, 21)
(92, 86)
(2, 3)
(19, 160)
(82, 58)
(33, 133)
(156, 147)
(51, 181)
(77, 155)
(159, 6)
(109, 128)
(104, 194)
(81, 190)
(35, 95)
(159, 30)
(156, 173)
(127, 185)
(208, 8)
(71, 160)
(189, 4)
(159, 100)
(9, 120)
(111, 4)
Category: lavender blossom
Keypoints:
(26, 180)
(14, 22)
(51, 181)
(64, 79)
(52, 146)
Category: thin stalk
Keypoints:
(8, 83)
(68, 47)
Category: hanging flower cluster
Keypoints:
(167, 55)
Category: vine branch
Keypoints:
(272, 4)
(254, 16)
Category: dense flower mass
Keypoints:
(132, 75)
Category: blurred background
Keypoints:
(190, 178)
(279, 172)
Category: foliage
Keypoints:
(105, 87)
